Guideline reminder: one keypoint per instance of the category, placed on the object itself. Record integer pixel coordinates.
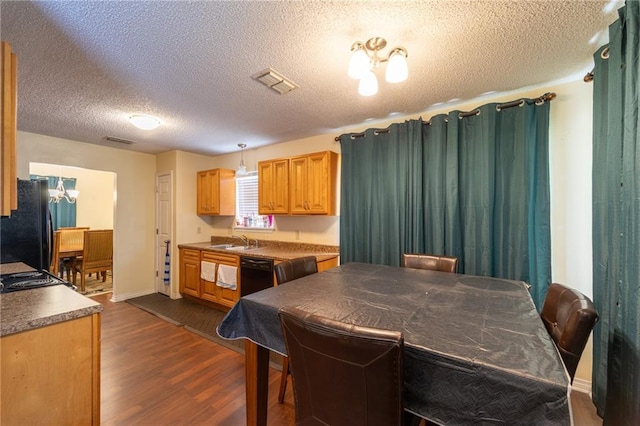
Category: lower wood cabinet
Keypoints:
(214, 293)
(51, 375)
(193, 285)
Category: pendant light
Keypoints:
(241, 170)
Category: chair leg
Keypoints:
(283, 379)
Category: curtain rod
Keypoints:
(604, 55)
(547, 97)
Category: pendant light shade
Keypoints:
(397, 70)
(368, 84)
(359, 63)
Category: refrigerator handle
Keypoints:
(49, 238)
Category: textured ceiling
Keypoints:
(85, 66)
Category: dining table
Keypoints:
(475, 348)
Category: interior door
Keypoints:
(164, 220)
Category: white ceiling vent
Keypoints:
(274, 80)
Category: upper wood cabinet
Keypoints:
(8, 175)
(216, 192)
(312, 183)
(273, 187)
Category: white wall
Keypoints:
(95, 206)
(134, 226)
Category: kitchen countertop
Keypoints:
(277, 250)
(28, 309)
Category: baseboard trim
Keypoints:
(581, 385)
(123, 297)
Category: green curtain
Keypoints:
(381, 207)
(475, 187)
(616, 222)
(63, 214)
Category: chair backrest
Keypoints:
(569, 317)
(293, 269)
(98, 249)
(343, 374)
(431, 262)
(55, 256)
(72, 237)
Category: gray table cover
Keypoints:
(476, 351)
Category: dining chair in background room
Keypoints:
(97, 255)
(430, 262)
(286, 271)
(343, 374)
(569, 317)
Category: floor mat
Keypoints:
(193, 316)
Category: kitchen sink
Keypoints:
(221, 246)
(240, 248)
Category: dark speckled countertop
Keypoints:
(39, 307)
(277, 250)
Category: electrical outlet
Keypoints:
(199, 230)
(297, 234)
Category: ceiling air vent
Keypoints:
(274, 80)
(118, 140)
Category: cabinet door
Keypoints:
(208, 182)
(273, 187)
(312, 183)
(190, 272)
(298, 185)
(214, 293)
(8, 118)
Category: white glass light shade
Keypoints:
(144, 122)
(397, 70)
(53, 193)
(368, 84)
(73, 194)
(358, 64)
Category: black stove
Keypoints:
(28, 280)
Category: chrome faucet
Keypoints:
(244, 239)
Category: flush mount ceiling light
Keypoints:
(144, 122)
(365, 59)
(241, 170)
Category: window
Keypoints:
(247, 204)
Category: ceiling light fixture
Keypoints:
(365, 59)
(144, 122)
(56, 195)
(241, 170)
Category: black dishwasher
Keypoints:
(256, 274)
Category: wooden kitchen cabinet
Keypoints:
(312, 183)
(214, 293)
(190, 272)
(51, 375)
(216, 192)
(273, 187)
(9, 98)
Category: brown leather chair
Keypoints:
(286, 271)
(569, 317)
(431, 262)
(343, 374)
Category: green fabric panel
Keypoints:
(616, 224)
(434, 183)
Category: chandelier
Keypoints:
(55, 195)
(365, 59)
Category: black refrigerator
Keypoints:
(26, 236)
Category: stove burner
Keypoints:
(27, 280)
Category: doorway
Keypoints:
(95, 205)
(164, 223)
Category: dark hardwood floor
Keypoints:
(155, 373)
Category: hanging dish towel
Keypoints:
(227, 276)
(208, 271)
(167, 266)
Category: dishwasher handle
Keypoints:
(254, 263)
